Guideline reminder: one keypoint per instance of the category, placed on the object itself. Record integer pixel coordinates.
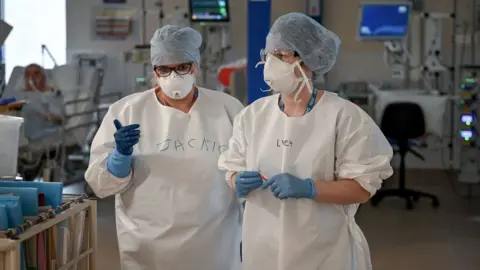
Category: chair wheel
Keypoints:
(435, 203)
(409, 205)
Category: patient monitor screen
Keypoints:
(209, 11)
(383, 21)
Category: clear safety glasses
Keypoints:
(181, 69)
(284, 55)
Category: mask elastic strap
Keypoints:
(266, 90)
(297, 94)
(194, 84)
(263, 90)
(304, 81)
(260, 63)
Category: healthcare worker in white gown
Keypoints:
(157, 152)
(304, 159)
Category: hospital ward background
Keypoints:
(412, 66)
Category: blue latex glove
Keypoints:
(247, 181)
(126, 137)
(285, 186)
(120, 161)
(119, 165)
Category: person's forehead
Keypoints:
(33, 69)
(174, 65)
(283, 52)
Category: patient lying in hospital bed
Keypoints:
(57, 121)
(43, 114)
(44, 111)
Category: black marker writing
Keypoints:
(205, 144)
(284, 143)
(164, 145)
(179, 144)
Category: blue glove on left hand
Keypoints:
(247, 181)
(285, 186)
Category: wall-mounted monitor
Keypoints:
(383, 21)
(209, 11)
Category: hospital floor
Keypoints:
(447, 238)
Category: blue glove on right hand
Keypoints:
(247, 181)
(126, 137)
(286, 186)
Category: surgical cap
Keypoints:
(175, 45)
(317, 46)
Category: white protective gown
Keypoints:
(174, 211)
(335, 140)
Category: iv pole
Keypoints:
(161, 14)
(473, 48)
(144, 34)
(144, 43)
(50, 55)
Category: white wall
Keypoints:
(43, 22)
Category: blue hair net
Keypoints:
(175, 45)
(317, 46)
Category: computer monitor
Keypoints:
(383, 21)
(209, 11)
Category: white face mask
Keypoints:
(280, 76)
(32, 85)
(176, 86)
(43, 96)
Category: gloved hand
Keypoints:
(126, 137)
(120, 161)
(285, 186)
(246, 181)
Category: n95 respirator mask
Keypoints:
(176, 86)
(280, 76)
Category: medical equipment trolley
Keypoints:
(58, 238)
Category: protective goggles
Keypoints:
(280, 54)
(181, 69)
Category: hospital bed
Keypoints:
(434, 105)
(85, 110)
(435, 144)
(374, 98)
(83, 114)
